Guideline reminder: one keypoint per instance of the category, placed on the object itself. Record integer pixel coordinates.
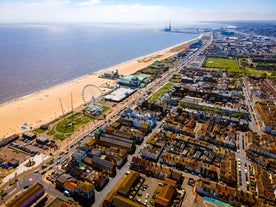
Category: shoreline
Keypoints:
(43, 106)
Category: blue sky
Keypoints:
(73, 11)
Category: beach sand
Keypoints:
(44, 106)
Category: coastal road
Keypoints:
(154, 86)
(87, 132)
(136, 96)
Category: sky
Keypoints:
(124, 11)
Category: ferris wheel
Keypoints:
(91, 96)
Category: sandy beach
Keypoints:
(44, 106)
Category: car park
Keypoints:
(146, 202)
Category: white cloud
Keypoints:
(65, 11)
(89, 3)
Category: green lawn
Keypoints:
(222, 63)
(150, 71)
(252, 71)
(160, 92)
(175, 80)
(64, 128)
(232, 66)
(51, 132)
(39, 131)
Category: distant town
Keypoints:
(195, 129)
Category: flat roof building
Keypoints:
(28, 197)
(133, 80)
(29, 135)
(119, 94)
(41, 140)
(9, 140)
(110, 74)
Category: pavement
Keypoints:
(39, 159)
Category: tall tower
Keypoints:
(170, 26)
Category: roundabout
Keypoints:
(29, 180)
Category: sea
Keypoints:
(34, 57)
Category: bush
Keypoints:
(30, 163)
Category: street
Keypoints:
(86, 133)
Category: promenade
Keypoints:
(44, 106)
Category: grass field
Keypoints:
(252, 71)
(222, 63)
(232, 66)
(39, 131)
(64, 128)
(160, 92)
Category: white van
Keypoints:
(66, 193)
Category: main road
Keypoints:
(85, 134)
(154, 86)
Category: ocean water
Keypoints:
(35, 57)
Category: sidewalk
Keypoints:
(22, 168)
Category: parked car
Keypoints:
(66, 193)
(3, 193)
